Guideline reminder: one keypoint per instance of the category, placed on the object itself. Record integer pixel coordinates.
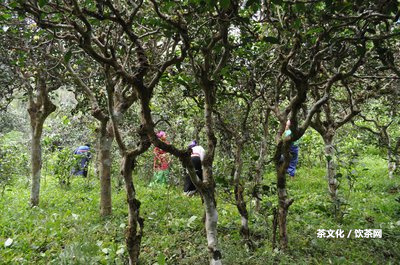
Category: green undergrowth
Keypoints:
(67, 228)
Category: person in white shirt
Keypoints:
(197, 157)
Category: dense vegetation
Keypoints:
(67, 228)
(228, 73)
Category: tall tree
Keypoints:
(34, 59)
(127, 43)
(93, 85)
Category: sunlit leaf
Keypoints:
(8, 242)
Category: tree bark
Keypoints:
(284, 202)
(105, 160)
(134, 230)
(238, 191)
(40, 107)
(391, 162)
(397, 156)
(208, 191)
(261, 161)
(211, 227)
(330, 157)
(36, 161)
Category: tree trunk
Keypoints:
(211, 226)
(36, 161)
(261, 161)
(208, 191)
(397, 156)
(134, 230)
(284, 202)
(38, 111)
(391, 162)
(238, 191)
(330, 157)
(105, 161)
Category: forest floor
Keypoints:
(67, 228)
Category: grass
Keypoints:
(67, 228)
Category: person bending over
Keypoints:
(196, 157)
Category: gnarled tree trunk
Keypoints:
(134, 231)
(330, 156)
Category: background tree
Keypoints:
(34, 62)
(382, 122)
(305, 50)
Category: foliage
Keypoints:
(13, 159)
(60, 165)
(230, 60)
(67, 227)
(349, 170)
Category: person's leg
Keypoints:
(156, 177)
(294, 152)
(197, 166)
(196, 161)
(189, 186)
(164, 177)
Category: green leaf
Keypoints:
(211, 2)
(67, 56)
(372, 31)
(225, 3)
(277, 2)
(272, 40)
(191, 220)
(161, 259)
(5, 16)
(338, 175)
(65, 120)
(42, 3)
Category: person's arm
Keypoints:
(287, 135)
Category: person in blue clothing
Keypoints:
(83, 157)
(294, 151)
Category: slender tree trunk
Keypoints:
(38, 112)
(330, 157)
(208, 191)
(391, 162)
(134, 230)
(397, 156)
(274, 227)
(261, 161)
(284, 202)
(36, 161)
(211, 223)
(258, 175)
(105, 161)
(239, 190)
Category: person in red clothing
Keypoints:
(161, 162)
